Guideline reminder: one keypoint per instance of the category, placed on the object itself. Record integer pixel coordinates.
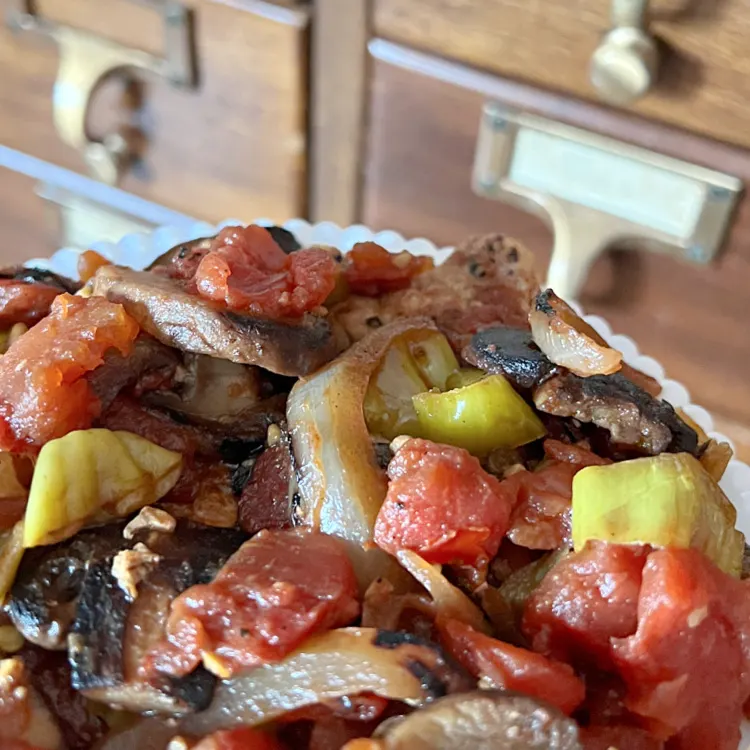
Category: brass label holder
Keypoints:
(596, 192)
(87, 59)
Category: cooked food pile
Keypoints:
(260, 496)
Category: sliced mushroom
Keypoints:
(237, 400)
(112, 632)
(193, 324)
(503, 350)
(632, 417)
(45, 593)
(482, 720)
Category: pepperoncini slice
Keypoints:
(482, 416)
(94, 474)
(414, 363)
(669, 499)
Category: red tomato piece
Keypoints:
(541, 514)
(512, 668)
(21, 302)
(619, 737)
(442, 504)
(89, 262)
(276, 590)
(244, 738)
(246, 270)
(687, 667)
(371, 270)
(43, 391)
(587, 599)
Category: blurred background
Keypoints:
(120, 115)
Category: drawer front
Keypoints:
(232, 146)
(704, 72)
(418, 163)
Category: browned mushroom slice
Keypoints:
(113, 631)
(193, 324)
(502, 350)
(632, 416)
(482, 720)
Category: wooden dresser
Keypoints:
(368, 111)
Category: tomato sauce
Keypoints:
(43, 390)
(279, 588)
(442, 504)
(370, 270)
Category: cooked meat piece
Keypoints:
(45, 593)
(150, 360)
(266, 501)
(40, 276)
(49, 671)
(194, 324)
(628, 413)
(487, 280)
(24, 719)
(111, 633)
(502, 350)
(482, 720)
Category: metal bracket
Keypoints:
(87, 59)
(596, 192)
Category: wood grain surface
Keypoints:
(233, 147)
(29, 225)
(418, 164)
(704, 81)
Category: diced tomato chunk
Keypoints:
(276, 590)
(442, 504)
(541, 514)
(43, 392)
(687, 667)
(244, 738)
(511, 668)
(587, 599)
(246, 270)
(89, 262)
(371, 270)
(22, 302)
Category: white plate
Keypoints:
(138, 250)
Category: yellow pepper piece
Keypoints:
(414, 363)
(661, 500)
(480, 417)
(92, 474)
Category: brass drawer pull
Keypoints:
(596, 192)
(87, 59)
(625, 65)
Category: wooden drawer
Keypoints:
(423, 120)
(234, 146)
(704, 78)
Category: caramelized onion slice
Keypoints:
(450, 601)
(394, 665)
(341, 485)
(569, 341)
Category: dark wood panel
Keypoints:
(235, 146)
(422, 133)
(704, 82)
(29, 227)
